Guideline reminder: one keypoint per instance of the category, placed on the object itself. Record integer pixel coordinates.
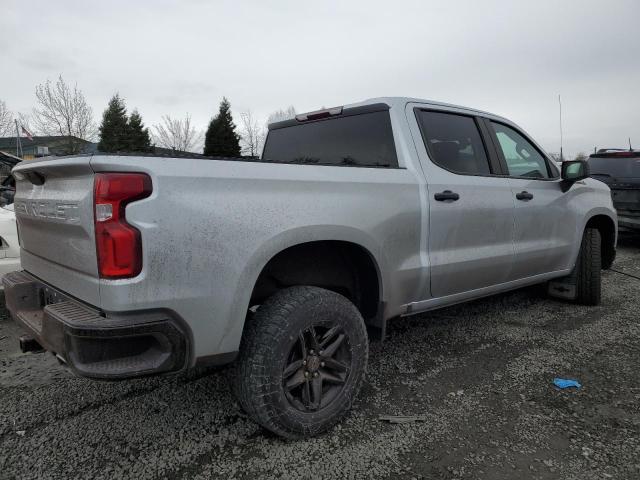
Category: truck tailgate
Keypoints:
(54, 213)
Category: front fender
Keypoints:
(588, 216)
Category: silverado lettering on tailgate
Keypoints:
(63, 211)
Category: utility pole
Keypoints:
(18, 142)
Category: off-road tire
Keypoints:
(265, 350)
(588, 269)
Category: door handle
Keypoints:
(524, 195)
(446, 195)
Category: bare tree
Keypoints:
(251, 135)
(63, 110)
(280, 115)
(581, 156)
(6, 121)
(177, 134)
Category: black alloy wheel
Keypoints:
(303, 358)
(317, 368)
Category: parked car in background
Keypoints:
(7, 190)
(620, 170)
(138, 265)
(9, 247)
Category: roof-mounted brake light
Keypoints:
(318, 114)
(617, 154)
(624, 154)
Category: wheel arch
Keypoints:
(341, 266)
(606, 225)
(349, 237)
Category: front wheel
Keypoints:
(589, 269)
(583, 285)
(302, 361)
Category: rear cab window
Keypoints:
(357, 137)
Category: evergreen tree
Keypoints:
(138, 136)
(221, 138)
(114, 127)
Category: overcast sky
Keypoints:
(512, 58)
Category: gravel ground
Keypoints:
(479, 375)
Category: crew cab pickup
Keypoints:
(284, 266)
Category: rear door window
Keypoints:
(362, 140)
(454, 142)
(522, 158)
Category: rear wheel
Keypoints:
(302, 361)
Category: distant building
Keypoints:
(48, 145)
(57, 146)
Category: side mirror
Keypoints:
(575, 170)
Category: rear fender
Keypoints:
(277, 244)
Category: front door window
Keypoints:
(522, 158)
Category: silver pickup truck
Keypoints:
(285, 266)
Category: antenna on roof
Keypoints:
(560, 105)
(630, 149)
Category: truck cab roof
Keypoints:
(401, 102)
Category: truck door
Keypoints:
(471, 208)
(545, 228)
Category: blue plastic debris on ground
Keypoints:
(566, 383)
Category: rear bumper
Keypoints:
(629, 218)
(92, 343)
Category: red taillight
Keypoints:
(118, 244)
